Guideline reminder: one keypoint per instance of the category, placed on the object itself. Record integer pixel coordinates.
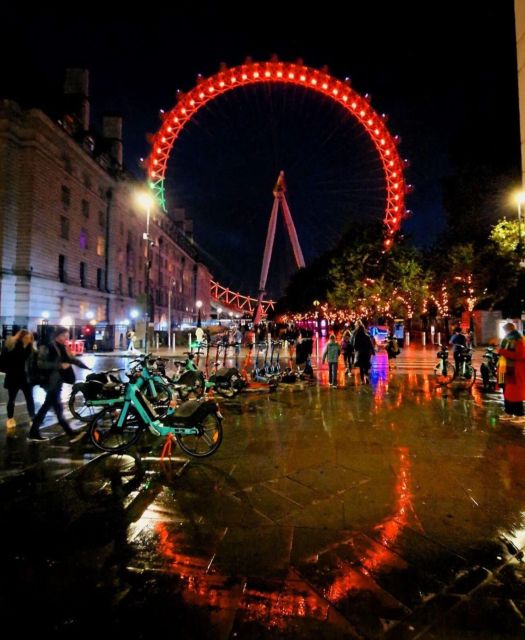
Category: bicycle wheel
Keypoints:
(107, 436)
(468, 378)
(207, 441)
(444, 379)
(79, 409)
(161, 399)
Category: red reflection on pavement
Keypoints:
(291, 597)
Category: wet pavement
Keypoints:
(391, 510)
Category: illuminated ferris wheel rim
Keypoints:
(250, 73)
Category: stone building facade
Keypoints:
(72, 240)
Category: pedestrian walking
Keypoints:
(14, 362)
(130, 335)
(331, 353)
(54, 365)
(347, 348)
(511, 374)
(364, 348)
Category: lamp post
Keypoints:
(145, 200)
(172, 284)
(219, 310)
(520, 199)
(198, 304)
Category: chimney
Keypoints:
(112, 133)
(76, 92)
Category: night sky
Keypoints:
(444, 72)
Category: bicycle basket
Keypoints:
(92, 389)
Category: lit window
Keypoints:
(101, 246)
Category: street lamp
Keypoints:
(520, 199)
(219, 311)
(172, 284)
(146, 201)
(198, 304)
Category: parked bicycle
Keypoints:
(196, 425)
(465, 373)
(100, 389)
(444, 371)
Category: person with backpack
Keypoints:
(15, 361)
(53, 369)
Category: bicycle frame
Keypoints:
(134, 396)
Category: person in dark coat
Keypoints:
(54, 361)
(364, 348)
(347, 347)
(15, 357)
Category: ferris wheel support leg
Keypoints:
(299, 259)
(268, 247)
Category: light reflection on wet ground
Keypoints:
(395, 509)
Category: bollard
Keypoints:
(423, 338)
(439, 337)
(173, 345)
(407, 338)
(189, 343)
(157, 341)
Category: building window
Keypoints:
(64, 227)
(101, 245)
(83, 239)
(100, 279)
(61, 268)
(101, 218)
(68, 165)
(85, 208)
(120, 283)
(87, 181)
(66, 197)
(83, 274)
(130, 287)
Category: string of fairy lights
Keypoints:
(398, 304)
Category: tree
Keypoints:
(506, 235)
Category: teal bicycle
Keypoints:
(196, 425)
(104, 388)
